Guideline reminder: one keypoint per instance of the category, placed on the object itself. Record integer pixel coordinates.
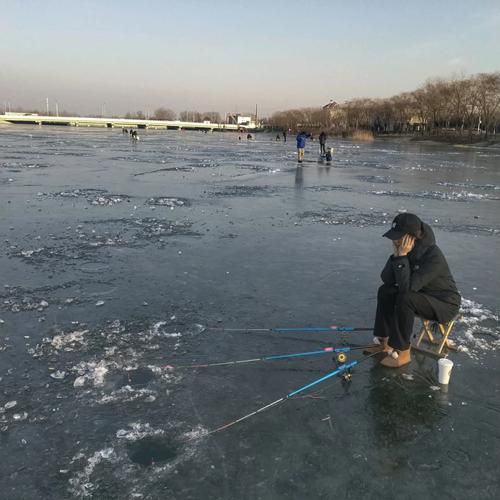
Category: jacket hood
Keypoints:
(429, 239)
(422, 245)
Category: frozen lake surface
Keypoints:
(115, 258)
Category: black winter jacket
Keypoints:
(423, 270)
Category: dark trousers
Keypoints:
(396, 312)
(322, 148)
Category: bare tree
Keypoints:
(488, 93)
(164, 114)
(460, 101)
(190, 116)
(138, 115)
(403, 110)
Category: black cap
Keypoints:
(404, 224)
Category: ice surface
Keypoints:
(209, 230)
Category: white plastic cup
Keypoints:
(444, 370)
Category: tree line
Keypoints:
(184, 116)
(457, 106)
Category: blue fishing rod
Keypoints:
(332, 328)
(341, 369)
(325, 350)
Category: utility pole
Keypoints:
(256, 115)
(57, 109)
(47, 105)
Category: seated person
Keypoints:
(417, 281)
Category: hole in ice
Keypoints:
(151, 450)
(137, 377)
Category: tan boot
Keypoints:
(396, 359)
(380, 345)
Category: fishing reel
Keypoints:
(341, 358)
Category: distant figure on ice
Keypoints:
(417, 281)
(301, 144)
(328, 155)
(284, 135)
(249, 136)
(278, 137)
(322, 143)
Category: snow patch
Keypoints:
(81, 484)
(482, 329)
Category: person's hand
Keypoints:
(403, 246)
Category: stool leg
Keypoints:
(427, 326)
(421, 334)
(445, 331)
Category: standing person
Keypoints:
(301, 144)
(417, 281)
(284, 135)
(322, 142)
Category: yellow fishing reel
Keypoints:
(341, 357)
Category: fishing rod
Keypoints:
(341, 369)
(325, 350)
(332, 328)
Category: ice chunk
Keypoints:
(79, 382)
(66, 340)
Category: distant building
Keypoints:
(336, 114)
(330, 106)
(242, 120)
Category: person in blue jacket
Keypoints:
(301, 144)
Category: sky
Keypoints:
(229, 56)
